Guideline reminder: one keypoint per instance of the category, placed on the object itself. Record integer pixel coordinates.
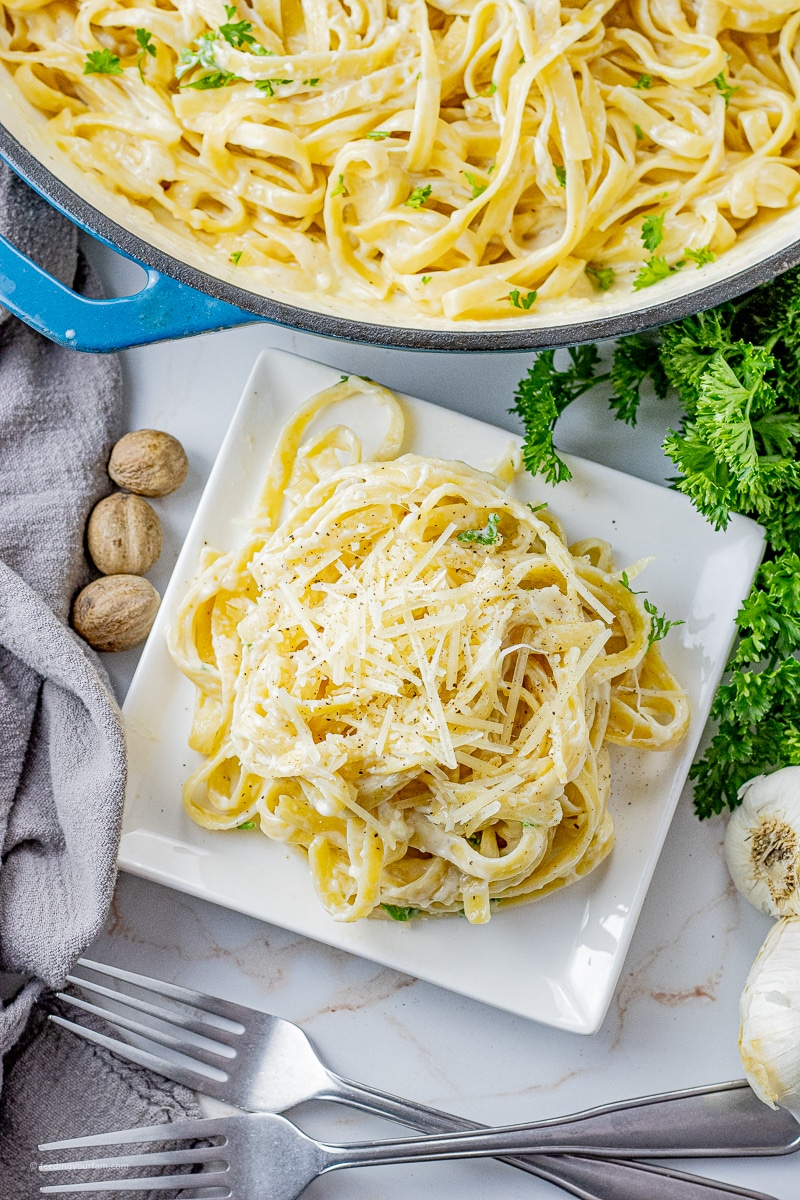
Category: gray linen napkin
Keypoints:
(62, 751)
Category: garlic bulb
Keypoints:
(762, 844)
(769, 1034)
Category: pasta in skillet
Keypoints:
(451, 161)
(409, 675)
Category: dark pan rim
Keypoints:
(95, 222)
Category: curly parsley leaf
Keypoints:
(488, 536)
(102, 62)
(757, 708)
(636, 360)
(540, 399)
(644, 82)
(561, 176)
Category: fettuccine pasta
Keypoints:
(408, 674)
(451, 161)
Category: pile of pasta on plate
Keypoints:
(409, 675)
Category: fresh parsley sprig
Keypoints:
(659, 623)
(102, 62)
(145, 39)
(540, 399)
(736, 372)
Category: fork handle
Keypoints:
(604, 1178)
(726, 1119)
(583, 1177)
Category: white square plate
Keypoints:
(556, 960)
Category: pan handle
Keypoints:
(164, 309)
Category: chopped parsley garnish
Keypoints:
(653, 231)
(723, 87)
(644, 82)
(399, 914)
(215, 79)
(736, 373)
(377, 135)
(700, 257)
(145, 40)
(248, 825)
(426, 279)
(601, 277)
(418, 196)
(654, 270)
(340, 190)
(313, 83)
(561, 176)
(659, 625)
(477, 188)
(237, 254)
(201, 55)
(269, 85)
(474, 839)
(637, 129)
(488, 536)
(520, 301)
(102, 62)
(236, 34)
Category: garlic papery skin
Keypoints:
(769, 1034)
(762, 843)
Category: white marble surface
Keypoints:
(674, 1019)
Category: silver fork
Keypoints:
(260, 1154)
(264, 1063)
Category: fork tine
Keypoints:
(199, 1000)
(153, 1183)
(171, 1015)
(175, 1131)
(208, 1057)
(143, 1058)
(163, 1158)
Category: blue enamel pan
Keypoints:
(181, 297)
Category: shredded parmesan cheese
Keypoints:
(414, 680)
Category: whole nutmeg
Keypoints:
(115, 612)
(123, 535)
(148, 462)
